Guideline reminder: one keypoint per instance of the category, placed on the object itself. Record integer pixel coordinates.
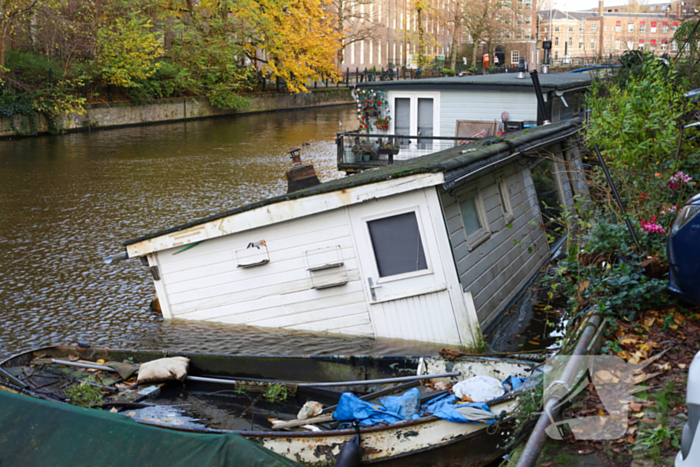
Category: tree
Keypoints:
(353, 21)
(11, 10)
(127, 50)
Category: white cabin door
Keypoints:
(404, 277)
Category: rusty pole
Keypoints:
(534, 445)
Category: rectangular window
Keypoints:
(362, 52)
(505, 200)
(630, 26)
(556, 55)
(397, 245)
(581, 44)
(371, 50)
(528, 4)
(664, 28)
(594, 27)
(402, 117)
(630, 45)
(618, 27)
(571, 29)
(556, 28)
(605, 28)
(581, 27)
(642, 26)
(556, 41)
(593, 44)
(675, 26)
(473, 218)
(653, 27)
(515, 56)
(571, 41)
(352, 53)
(674, 46)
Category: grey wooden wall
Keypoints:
(496, 269)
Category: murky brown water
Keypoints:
(67, 201)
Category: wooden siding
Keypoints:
(495, 270)
(426, 318)
(205, 282)
(484, 105)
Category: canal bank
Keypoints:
(110, 115)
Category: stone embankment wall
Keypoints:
(120, 114)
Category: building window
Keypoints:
(556, 41)
(618, 27)
(581, 27)
(617, 45)
(519, 33)
(556, 55)
(546, 29)
(473, 218)
(630, 45)
(571, 41)
(594, 27)
(675, 26)
(528, 4)
(505, 200)
(520, 19)
(556, 28)
(514, 56)
(528, 19)
(397, 245)
(571, 29)
(592, 44)
(630, 26)
(653, 27)
(674, 46)
(664, 28)
(605, 28)
(581, 43)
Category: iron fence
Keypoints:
(358, 151)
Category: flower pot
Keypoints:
(382, 127)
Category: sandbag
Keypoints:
(164, 369)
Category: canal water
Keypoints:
(68, 201)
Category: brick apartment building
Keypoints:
(610, 31)
(395, 33)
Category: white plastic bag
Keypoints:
(164, 369)
(479, 388)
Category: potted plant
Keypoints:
(382, 123)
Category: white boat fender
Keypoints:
(163, 370)
(350, 454)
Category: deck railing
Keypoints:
(359, 151)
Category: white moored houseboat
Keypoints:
(428, 249)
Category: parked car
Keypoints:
(689, 455)
(684, 254)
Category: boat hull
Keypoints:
(428, 441)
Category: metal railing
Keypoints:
(358, 151)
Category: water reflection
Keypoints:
(68, 201)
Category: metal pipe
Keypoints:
(364, 382)
(13, 379)
(83, 365)
(534, 445)
(540, 98)
(114, 258)
(617, 197)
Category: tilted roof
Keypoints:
(455, 163)
(498, 81)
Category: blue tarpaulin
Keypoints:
(395, 409)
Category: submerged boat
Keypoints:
(259, 397)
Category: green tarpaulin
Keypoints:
(34, 432)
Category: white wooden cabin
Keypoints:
(422, 250)
(458, 107)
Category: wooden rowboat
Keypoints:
(215, 403)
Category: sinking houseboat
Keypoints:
(429, 249)
(305, 408)
(400, 120)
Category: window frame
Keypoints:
(421, 231)
(413, 117)
(504, 197)
(484, 233)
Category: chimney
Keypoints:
(301, 175)
(600, 7)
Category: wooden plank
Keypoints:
(285, 425)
